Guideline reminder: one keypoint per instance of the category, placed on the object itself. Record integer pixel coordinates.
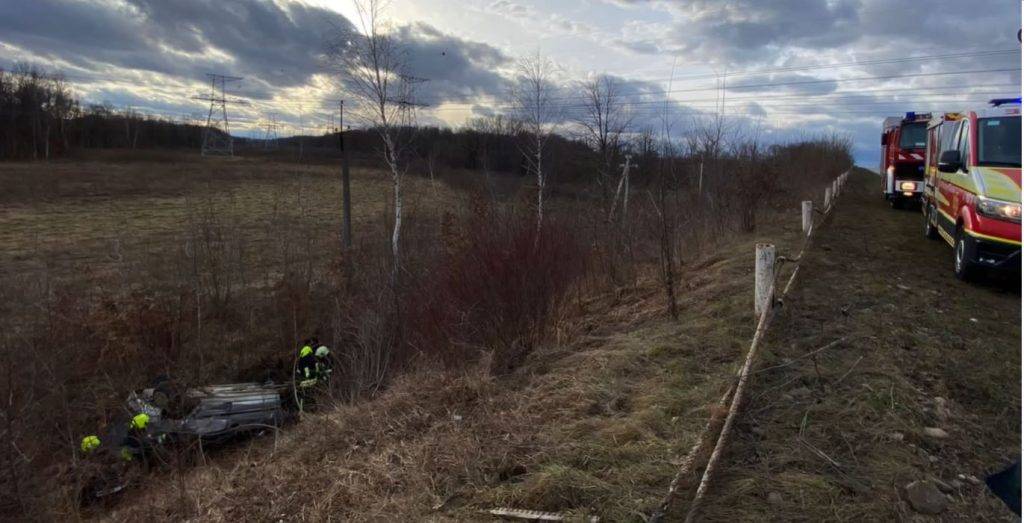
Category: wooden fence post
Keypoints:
(764, 276)
(807, 215)
(828, 197)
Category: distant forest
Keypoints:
(41, 119)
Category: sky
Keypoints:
(783, 69)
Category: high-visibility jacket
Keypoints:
(139, 421)
(305, 371)
(90, 443)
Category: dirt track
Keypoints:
(839, 435)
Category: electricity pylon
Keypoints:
(217, 135)
(270, 135)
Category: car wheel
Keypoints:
(930, 231)
(896, 202)
(963, 257)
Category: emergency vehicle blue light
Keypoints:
(996, 102)
(909, 116)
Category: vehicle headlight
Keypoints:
(907, 186)
(999, 210)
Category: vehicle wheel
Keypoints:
(896, 203)
(930, 231)
(963, 257)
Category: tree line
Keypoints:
(40, 118)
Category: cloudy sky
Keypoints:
(785, 68)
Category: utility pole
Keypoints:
(625, 194)
(346, 195)
(217, 136)
(623, 189)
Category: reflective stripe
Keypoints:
(992, 238)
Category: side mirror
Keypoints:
(949, 161)
(883, 138)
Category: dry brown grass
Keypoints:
(76, 218)
(837, 437)
(594, 423)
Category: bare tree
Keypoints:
(708, 140)
(372, 64)
(666, 213)
(602, 122)
(533, 103)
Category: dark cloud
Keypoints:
(273, 45)
(457, 70)
(753, 31)
(276, 44)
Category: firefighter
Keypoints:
(134, 442)
(323, 363)
(305, 370)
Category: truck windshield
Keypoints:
(913, 135)
(999, 141)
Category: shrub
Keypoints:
(496, 287)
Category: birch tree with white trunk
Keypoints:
(533, 103)
(373, 67)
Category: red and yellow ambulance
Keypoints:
(972, 193)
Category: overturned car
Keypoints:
(175, 418)
(211, 411)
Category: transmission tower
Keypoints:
(407, 97)
(270, 136)
(217, 135)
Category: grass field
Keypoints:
(78, 218)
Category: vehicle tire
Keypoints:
(930, 231)
(964, 266)
(896, 202)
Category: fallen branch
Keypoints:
(683, 479)
(741, 385)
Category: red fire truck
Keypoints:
(902, 164)
(973, 196)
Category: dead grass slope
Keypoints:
(595, 422)
(838, 436)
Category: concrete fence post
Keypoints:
(807, 216)
(764, 276)
(828, 197)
